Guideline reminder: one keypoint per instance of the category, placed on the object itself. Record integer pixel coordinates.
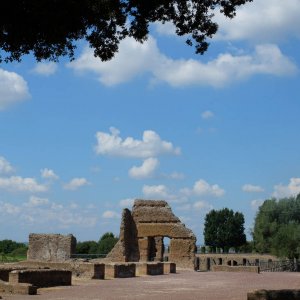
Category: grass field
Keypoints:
(11, 258)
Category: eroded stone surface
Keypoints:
(142, 232)
(51, 247)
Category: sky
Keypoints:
(79, 141)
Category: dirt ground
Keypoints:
(185, 285)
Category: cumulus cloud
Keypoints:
(146, 170)
(48, 174)
(292, 189)
(134, 59)
(126, 202)
(8, 208)
(151, 145)
(109, 214)
(261, 20)
(203, 188)
(13, 89)
(45, 68)
(75, 184)
(255, 204)
(5, 166)
(207, 115)
(202, 205)
(36, 201)
(249, 188)
(156, 191)
(20, 184)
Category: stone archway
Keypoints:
(142, 232)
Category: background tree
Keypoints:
(277, 227)
(224, 229)
(12, 247)
(107, 242)
(87, 247)
(50, 28)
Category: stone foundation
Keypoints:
(252, 269)
(143, 269)
(41, 278)
(20, 288)
(274, 295)
(116, 270)
(169, 267)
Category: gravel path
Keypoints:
(185, 285)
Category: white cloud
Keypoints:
(207, 115)
(36, 201)
(134, 59)
(10, 209)
(255, 204)
(146, 170)
(151, 145)
(48, 174)
(5, 166)
(109, 214)
(176, 175)
(126, 202)
(45, 68)
(13, 89)
(156, 191)
(76, 183)
(292, 189)
(20, 184)
(203, 188)
(261, 20)
(249, 188)
(202, 205)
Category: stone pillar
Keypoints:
(159, 245)
(144, 248)
(182, 252)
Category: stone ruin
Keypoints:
(142, 231)
(51, 247)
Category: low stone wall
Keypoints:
(252, 269)
(143, 269)
(41, 278)
(274, 295)
(123, 270)
(19, 288)
(78, 268)
(169, 267)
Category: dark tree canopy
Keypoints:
(50, 28)
(277, 227)
(224, 228)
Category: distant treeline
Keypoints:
(13, 248)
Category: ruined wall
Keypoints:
(51, 247)
(142, 232)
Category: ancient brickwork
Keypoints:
(142, 232)
(51, 247)
(274, 295)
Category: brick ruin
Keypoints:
(51, 247)
(142, 231)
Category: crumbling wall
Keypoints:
(51, 247)
(142, 232)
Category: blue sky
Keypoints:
(79, 141)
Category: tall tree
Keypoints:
(277, 227)
(224, 228)
(107, 242)
(50, 28)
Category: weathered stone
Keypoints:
(120, 270)
(274, 295)
(19, 288)
(224, 268)
(51, 247)
(169, 267)
(41, 278)
(149, 268)
(142, 233)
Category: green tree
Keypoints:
(87, 247)
(277, 227)
(107, 242)
(224, 229)
(50, 28)
(8, 246)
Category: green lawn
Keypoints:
(11, 258)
